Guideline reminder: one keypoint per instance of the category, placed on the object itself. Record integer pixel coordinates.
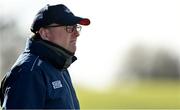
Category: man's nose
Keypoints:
(76, 33)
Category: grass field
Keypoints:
(146, 95)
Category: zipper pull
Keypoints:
(5, 98)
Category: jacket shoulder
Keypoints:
(28, 62)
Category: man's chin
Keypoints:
(72, 50)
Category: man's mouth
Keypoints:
(73, 42)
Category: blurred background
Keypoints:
(128, 58)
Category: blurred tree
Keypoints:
(136, 62)
(165, 66)
(11, 43)
(144, 63)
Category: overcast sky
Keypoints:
(116, 25)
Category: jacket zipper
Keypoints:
(68, 88)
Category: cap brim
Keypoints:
(72, 20)
(84, 21)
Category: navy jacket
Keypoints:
(39, 79)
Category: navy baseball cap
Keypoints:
(58, 14)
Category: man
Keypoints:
(39, 79)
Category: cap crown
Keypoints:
(59, 14)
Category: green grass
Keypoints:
(146, 95)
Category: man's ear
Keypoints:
(43, 33)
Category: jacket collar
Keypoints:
(50, 52)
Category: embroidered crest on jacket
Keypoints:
(57, 84)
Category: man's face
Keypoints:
(65, 36)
